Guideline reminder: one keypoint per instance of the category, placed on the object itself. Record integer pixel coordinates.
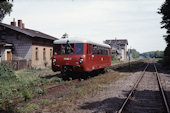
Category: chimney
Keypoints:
(20, 24)
(23, 25)
(13, 23)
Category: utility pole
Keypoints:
(129, 54)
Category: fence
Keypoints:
(18, 64)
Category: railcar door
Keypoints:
(89, 57)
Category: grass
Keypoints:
(78, 91)
(28, 84)
(84, 88)
(116, 62)
(27, 108)
(22, 85)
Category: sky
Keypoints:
(95, 20)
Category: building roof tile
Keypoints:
(115, 41)
(29, 32)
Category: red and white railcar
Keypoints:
(76, 55)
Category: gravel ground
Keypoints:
(108, 100)
(147, 98)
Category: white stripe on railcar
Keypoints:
(64, 41)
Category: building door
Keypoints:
(8, 55)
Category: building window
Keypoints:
(44, 54)
(36, 53)
(51, 53)
(3, 35)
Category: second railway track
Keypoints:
(147, 95)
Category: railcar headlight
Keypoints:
(81, 60)
(54, 60)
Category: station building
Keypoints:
(23, 47)
(118, 48)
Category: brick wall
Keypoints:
(39, 61)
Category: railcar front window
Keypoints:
(57, 49)
(67, 49)
(79, 48)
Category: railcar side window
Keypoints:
(107, 51)
(98, 50)
(79, 48)
(67, 49)
(57, 49)
(94, 49)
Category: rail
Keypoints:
(133, 89)
(162, 91)
(135, 86)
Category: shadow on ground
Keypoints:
(112, 105)
(81, 75)
(75, 75)
(163, 69)
(129, 67)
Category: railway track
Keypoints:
(147, 94)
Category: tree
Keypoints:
(64, 36)
(5, 8)
(153, 54)
(135, 54)
(158, 54)
(165, 11)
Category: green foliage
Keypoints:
(165, 11)
(45, 102)
(166, 60)
(65, 35)
(158, 54)
(28, 108)
(5, 70)
(5, 8)
(117, 62)
(135, 54)
(27, 94)
(112, 56)
(23, 85)
(8, 87)
(153, 54)
(41, 91)
(147, 54)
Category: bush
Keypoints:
(166, 61)
(28, 108)
(5, 70)
(27, 94)
(41, 91)
(112, 56)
